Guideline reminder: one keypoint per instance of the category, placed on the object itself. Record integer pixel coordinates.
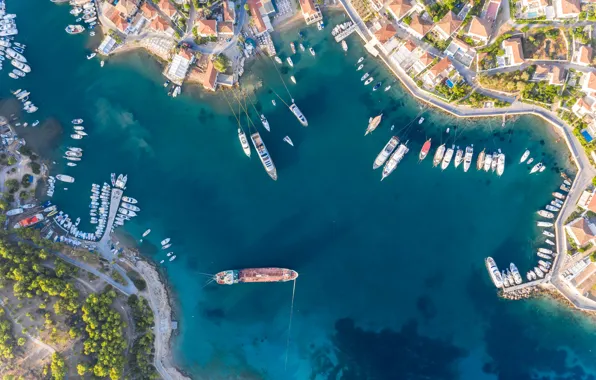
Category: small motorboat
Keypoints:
(165, 241)
(293, 79)
(369, 81)
(79, 128)
(360, 67)
(278, 60)
(387, 88)
(288, 140)
(77, 121)
(422, 120)
(273, 102)
(76, 137)
(377, 86)
(89, 56)
(312, 51)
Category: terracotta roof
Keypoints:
(558, 75)
(441, 66)
(449, 23)
(308, 7)
(479, 27)
(590, 81)
(581, 103)
(385, 33)
(228, 13)
(225, 27)
(426, 58)
(584, 55)
(541, 70)
(207, 27)
(120, 23)
(185, 54)
(167, 8)
(592, 204)
(148, 11)
(581, 231)
(420, 25)
(517, 54)
(210, 76)
(410, 46)
(569, 7)
(399, 8)
(254, 6)
(126, 7)
(109, 10)
(159, 24)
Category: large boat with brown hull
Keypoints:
(231, 277)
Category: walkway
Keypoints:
(103, 246)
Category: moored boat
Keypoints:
(488, 162)
(265, 123)
(263, 153)
(65, 178)
(500, 164)
(394, 160)
(544, 224)
(468, 157)
(493, 271)
(244, 142)
(515, 272)
(386, 152)
(299, 115)
(231, 277)
(424, 151)
(524, 156)
(74, 29)
(439, 155)
(459, 157)
(536, 168)
(447, 158)
(288, 140)
(558, 195)
(373, 123)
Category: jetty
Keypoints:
(345, 33)
(103, 246)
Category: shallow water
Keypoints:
(392, 281)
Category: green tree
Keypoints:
(11, 160)
(58, 367)
(12, 185)
(21, 341)
(82, 369)
(35, 167)
(221, 63)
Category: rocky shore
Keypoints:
(157, 295)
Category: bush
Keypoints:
(12, 185)
(11, 160)
(26, 180)
(221, 63)
(35, 167)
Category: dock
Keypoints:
(527, 285)
(345, 33)
(103, 246)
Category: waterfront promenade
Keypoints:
(103, 246)
(585, 170)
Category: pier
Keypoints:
(527, 285)
(103, 246)
(341, 36)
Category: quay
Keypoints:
(578, 155)
(103, 246)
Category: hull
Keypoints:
(493, 271)
(439, 155)
(231, 277)
(424, 151)
(386, 152)
(264, 155)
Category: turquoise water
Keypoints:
(392, 281)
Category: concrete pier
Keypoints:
(104, 244)
(341, 36)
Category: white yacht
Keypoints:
(447, 158)
(525, 156)
(296, 111)
(493, 271)
(386, 152)
(265, 123)
(468, 157)
(244, 142)
(459, 157)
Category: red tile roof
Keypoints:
(385, 33)
(581, 231)
(254, 6)
(207, 27)
(210, 76)
(479, 27)
(119, 22)
(419, 25)
(148, 11)
(225, 27)
(159, 24)
(441, 66)
(399, 8)
(449, 23)
(308, 7)
(167, 8)
(584, 55)
(228, 13)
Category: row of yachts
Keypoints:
(28, 106)
(510, 277)
(8, 26)
(165, 244)
(86, 13)
(10, 49)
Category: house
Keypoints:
(461, 51)
(423, 62)
(268, 7)
(180, 65)
(225, 28)
(148, 11)
(479, 30)
(137, 23)
(581, 231)
(399, 9)
(556, 76)
(419, 27)
(167, 8)
(207, 28)
(403, 52)
(438, 72)
(126, 7)
(492, 10)
(107, 45)
(541, 73)
(587, 201)
(385, 33)
(310, 12)
(119, 22)
(588, 83)
(567, 8)
(229, 12)
(583, 56)
(583, 106)
(448, 25)
(159, 24)
(534, 8)
(210, 78)
(514, 53)
(261, 23)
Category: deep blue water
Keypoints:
(392, 281)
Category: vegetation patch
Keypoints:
(544, 44)
(509, 82)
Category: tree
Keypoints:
(35, 167)
(12, 185)
(82, 369)
(221, 63)
(11, 160)
(594, 181)
(21, 341)
(58, 367)
(246, 7)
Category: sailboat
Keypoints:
(439, 155)
(480, 162)
(288, 140)
(373, 123)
